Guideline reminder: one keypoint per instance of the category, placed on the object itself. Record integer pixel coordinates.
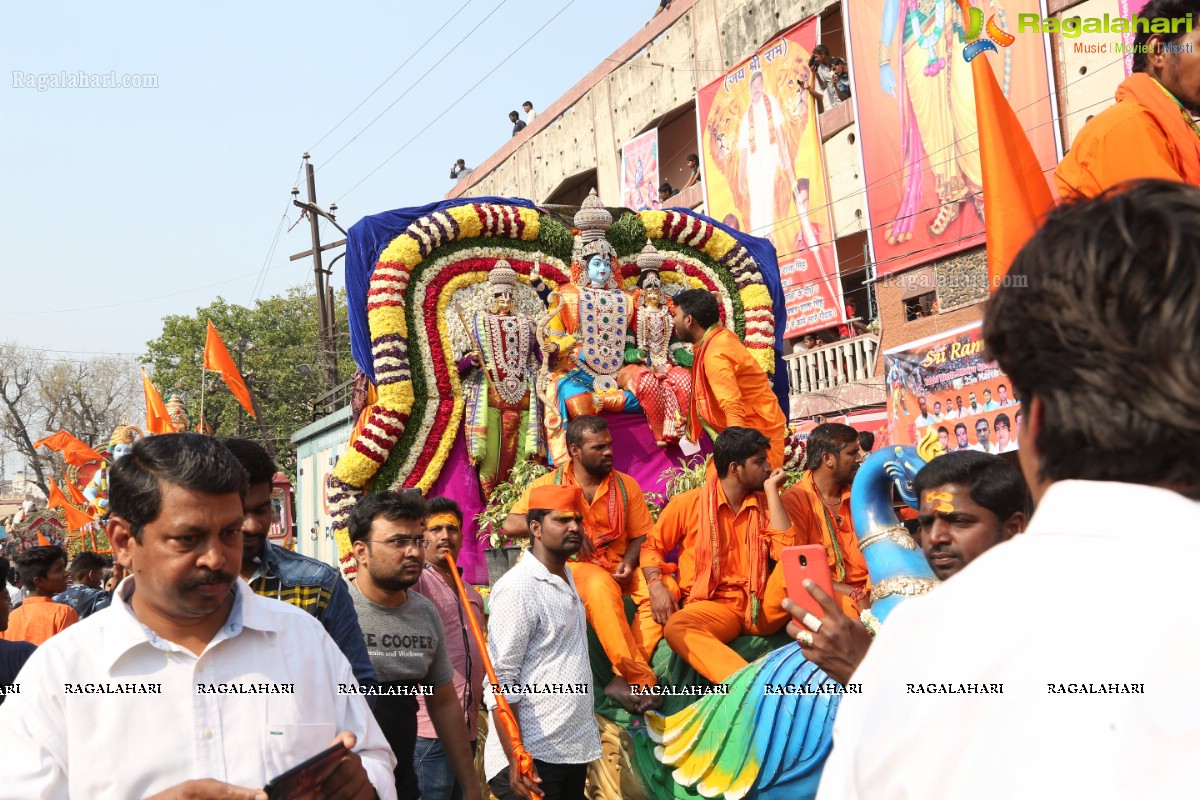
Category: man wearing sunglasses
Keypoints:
(404, 636)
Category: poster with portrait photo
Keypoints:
(946, 383)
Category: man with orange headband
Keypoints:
(729, 388)
(728, 532)
(538, 645)
(615, 524)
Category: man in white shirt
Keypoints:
(983, 437)
(1097, 703)
(925, 419)
(530, 116)
(537, 639)
(189, 685)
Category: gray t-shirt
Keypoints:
(406, 643)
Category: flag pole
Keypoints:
(504, 714)
(203, 380)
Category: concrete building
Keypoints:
(652, 81)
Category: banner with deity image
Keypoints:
(763, 172)
(639, 172)
(945, 382)
(915, 106)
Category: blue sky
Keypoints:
(132, 204)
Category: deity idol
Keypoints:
(938, 128)
(587, 330)
(119, 446)
(178, 414)
(502, 415)
(656, 370)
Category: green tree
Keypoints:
(277, 339)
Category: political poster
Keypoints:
(945, 382)
(763, 172)
(915, 106)
(639, 172)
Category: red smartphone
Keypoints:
(806, 562)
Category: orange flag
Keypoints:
(216, 358)
(1015, 192)
(42, 540)
(76, 495)
(74, 451)
(56, 499)
(157, 418)
(76, 519)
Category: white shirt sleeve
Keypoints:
(355, 715)
(32, 726)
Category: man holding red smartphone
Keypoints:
(819, 507)
(729, 532)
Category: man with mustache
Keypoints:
(306, 583)
(218, 690)
(721, 529)
(404, 635)
(819, 507)
(443, 534)
(538, 645)
(615, 523)
(970, 502)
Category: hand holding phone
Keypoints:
(806, 562)
(303, 781)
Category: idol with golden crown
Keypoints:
(586, 331)
(120, 444)
(502, 419)
(658, 365)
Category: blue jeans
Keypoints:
(435, 776)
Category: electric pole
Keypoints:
(326, 320)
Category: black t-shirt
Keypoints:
(518, 126)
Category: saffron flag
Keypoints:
(1015, 192)
(76, 519)
(73, 451)
(76, 496)
(216, 358)
(56, 499)
(157, 418)
(42, 540)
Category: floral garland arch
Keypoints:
(404, 439)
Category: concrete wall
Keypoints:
(654, 75)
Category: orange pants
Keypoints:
(701, 630)
(628, 649)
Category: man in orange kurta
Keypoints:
(729, 532)
(1149, 133)
(616, 521)
(819, 507)
(729, 388)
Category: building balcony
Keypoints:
(835, 377)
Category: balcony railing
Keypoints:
(823, 368)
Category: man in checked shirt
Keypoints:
(308, 584)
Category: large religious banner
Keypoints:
(763, 172)
(947, 383)
(915, 104)
(639, 172)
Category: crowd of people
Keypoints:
(269, 656)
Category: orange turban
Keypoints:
(557, 498)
